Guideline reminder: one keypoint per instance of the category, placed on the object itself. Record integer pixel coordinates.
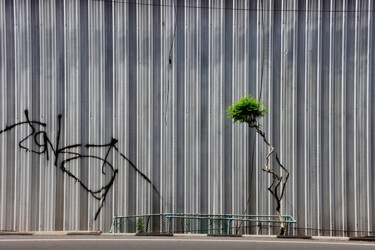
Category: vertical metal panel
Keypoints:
(3, 81)
(158, 76)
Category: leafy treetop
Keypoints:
(247, 109)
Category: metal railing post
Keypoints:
(229, 222)
(169, 224)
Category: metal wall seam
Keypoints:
(318, 121)
(150, 117)
(372, 88)
(343, 121)
(221, 116)
(173, 98)
(306, 142)
(198, 117)
(268, 93)
(368, 116)
(355, 165)
(3, 109)
(283, 86)
(161, 113)
(234, 129)
(330, 107)
(257, 90)
(244, 208)
(247, 161)
(294, 117)
(17, 23)
(188, 111)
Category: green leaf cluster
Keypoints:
(248, 110)
(140, 225)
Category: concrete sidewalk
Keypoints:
(62, 233)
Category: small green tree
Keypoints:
(249, 110)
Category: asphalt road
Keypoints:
(127, 242)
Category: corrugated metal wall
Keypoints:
(158, 77)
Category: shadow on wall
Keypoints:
(67, 154)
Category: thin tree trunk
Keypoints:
(276, 181)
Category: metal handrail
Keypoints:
(288, 219)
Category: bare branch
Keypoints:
(270, 187)
(269, 144)
(286, 178)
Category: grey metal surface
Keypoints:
(158, 77)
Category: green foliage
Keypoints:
(140, 225)
(248, 110)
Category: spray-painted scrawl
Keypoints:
(67, 154)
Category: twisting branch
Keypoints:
(274, 189)
(286, 178)
(261, 133)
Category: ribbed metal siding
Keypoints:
(111, 70)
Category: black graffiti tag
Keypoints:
(67, 154)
